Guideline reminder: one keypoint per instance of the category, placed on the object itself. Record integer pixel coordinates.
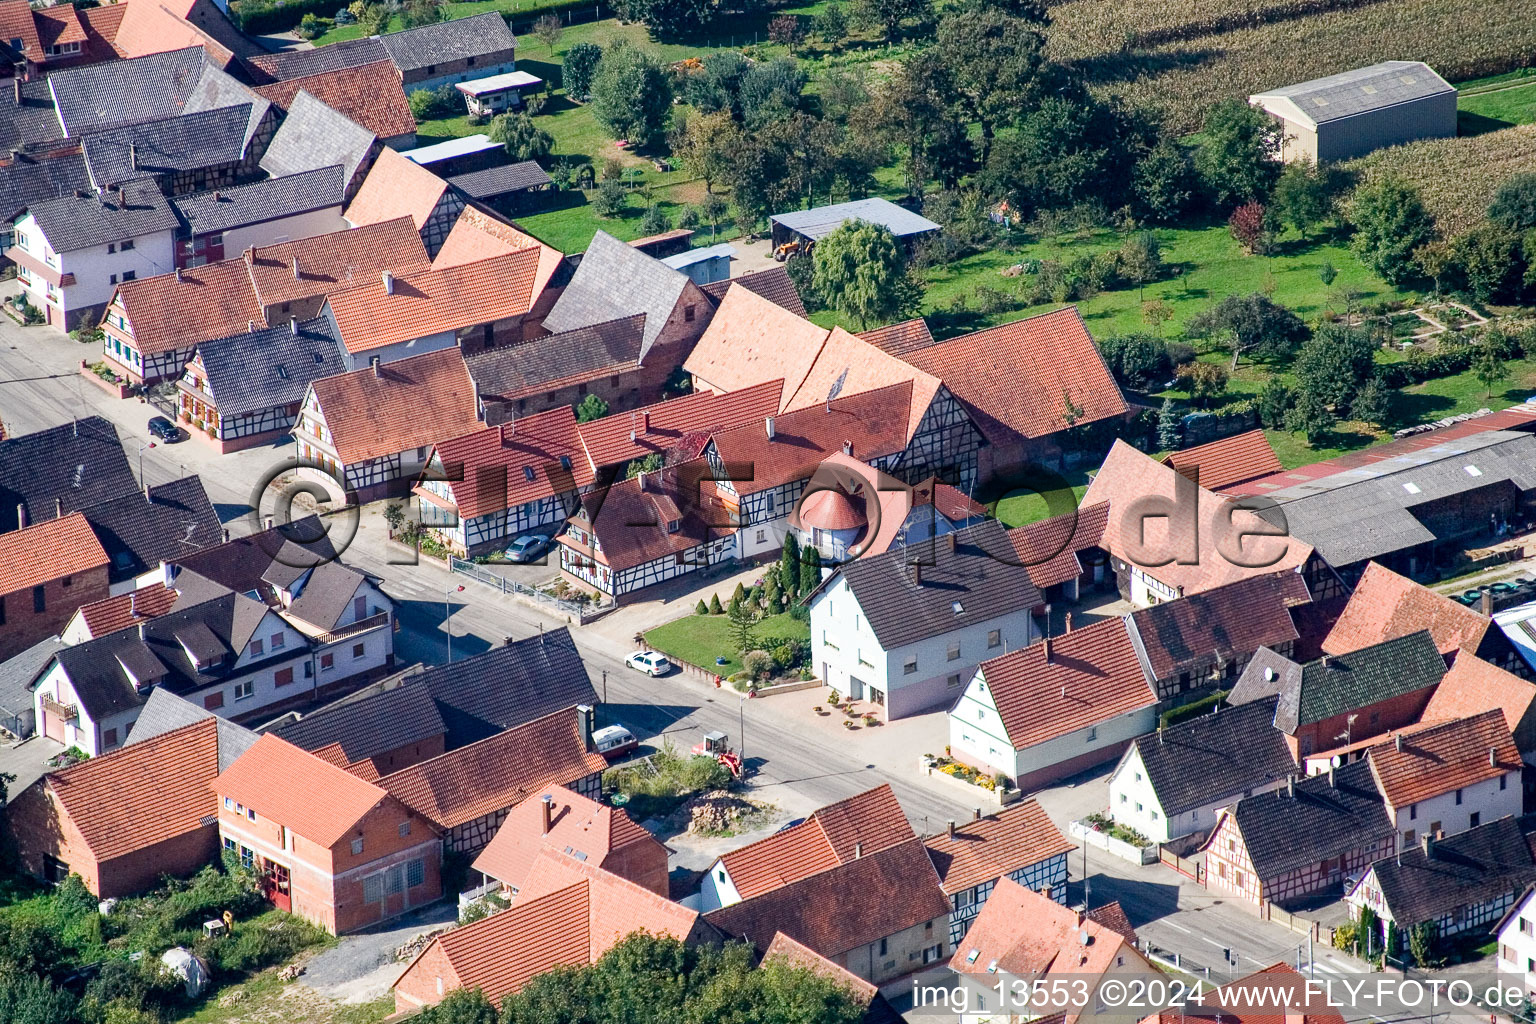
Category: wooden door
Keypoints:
(276, 885)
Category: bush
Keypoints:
(757, 664)
(428, 104)
(578, 70)
(610, 199)
(701, 608)
(787, 655)
(1137, 360)
(714, 605)
(1274, 402)
(655, 221)
(1194, 709)
(309, 26)
(262, 943)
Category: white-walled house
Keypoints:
(1173, 783)
(1517, 942)
(71, 252)
(1449, 777)
(907, 636)
(1057, 708)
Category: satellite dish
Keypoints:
(1084, 937)
(1269, 675)
(1336, 760)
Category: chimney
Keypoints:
(1428, 843)
(1068, 623)
(293, 325)
(1487, 602)
(858, 850)
(1327, 661)
(373, 361)
(645, 422)
(1397, 741)
(951, 543)
(133, 155)
(1045, 642)
(1294, 1015)
(1081, 917)
(1290, 785)
(147, 497)
(975, 813)
(389, 283)
(18, 90)
(640, 480)
(226, 535)
(58, 508)
(1493, 757)
(548, 804)
(583, 714)
(1046, 892)
(215, 195)
(917, 573)
(951, 828)
(295, 268)
(133, 604)
(250, 327)
(1179, 590)
(178, 275)
(847, 447)
(768, 426)
(508, 431)
(1332, 782)
(21, 515)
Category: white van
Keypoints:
(614, 741)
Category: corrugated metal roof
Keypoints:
(450, 148)
(824, 220)
(1361, 90)
(692, 256)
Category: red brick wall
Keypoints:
(1371, 720)
(644, 863)
(407, 754)
(418, 985)
(180, 856)
(23, 627)
(40, 828)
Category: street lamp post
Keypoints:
(605, 686)
(448, 619)
(142, 446)
(741, 726)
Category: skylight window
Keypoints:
(1473, 471)
(1411, 488)
(282, 371)
(956, 607)
(970, 957)
(528, 473)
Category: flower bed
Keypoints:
(1115, 839)
(965, 773)
(103, 377)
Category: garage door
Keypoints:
(53, 726)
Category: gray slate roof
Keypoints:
(508, 686)
(161, 85)
(1268, 674)
(1216, 756)
(313, 135)
(449, 41)
(773, 284)
(31, 180)
(508, 373)
(270, 367)
(500, 181)
(1463, 870)
(349, 53)
(1327, 816)
(79, 463)
(1341, 683)
(1366, 512)
(276, 557)
(18, 671)
(165, 712)
(262, 201)
(33, 124)
(326, 594)
(613, 281)
(208, 138)
(139, 533)
(1361, 90)
(979, 573)
(823, 220)
(369, 726)
(76, 222)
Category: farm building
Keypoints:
(1354, 112)
(809, 226)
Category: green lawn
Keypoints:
(1499, 102)
(1018, 508)
(699, 639)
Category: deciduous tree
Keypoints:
(579, 69)
(1252, 324)
(631, 95)
(1390, 222)
(1238, 155)
(861, 271)
(890, 16)
(522, 139)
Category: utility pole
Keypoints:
(605, 686)
(741, 722)
(1087, 886)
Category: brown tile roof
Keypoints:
(1227, 462)
(1473, 686)
(571, 913)
(1385, 606)
(16, 23)
(396, 187)
(497, 772)
(58, 25)
(1231, 621)
(752, 339)
(101, 25)
(773, 284)
(835, 910)
(994, 846)
(668, 426)
(114, 613)
(212, 301)
(950, 502)
(369, 94)
(1133, 534)
(579, 825)
(783, 948)
(1020, 375)
(479, 233)
(293, 787)
(630, 518)
(143, 794)
(847, 365)
(47, 551)
(1024, 933)
(405, 404)
(428, 302)
(873, 422)
(1113, 917)
(866, 823)
(1444, 757)
(1049, 548)
(333, 753)
(1092, 675)
(334, 261)
(901, 339)
(523, 460)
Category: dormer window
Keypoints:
(672, 525)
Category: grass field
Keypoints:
(1028, 507)
(699, 639)
(1486, 105)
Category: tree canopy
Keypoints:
(1390, 222)
(1253, 324)
(861, 271)
(1238, 153)
(631, 95)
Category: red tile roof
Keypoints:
(579, 825)
(506, 466)
(1386, 605)
(848, 365)
(369, 94)
(149, 26)
(994, 846)
(114, 613)
(169, 313)
(47, 551)
(1444, 757)
(1020, 375)
(427, 302)
(313, 798)
(873, 422)
(865, 824)
(668, 426)
(16, 23)
(832, 509)
(785, 949)
(1143, 536)
(335, 260)
(1023, 933)
(752, 339)
(1091, 675)
(900, 339)
(497, 772)
(845, 906)
(333, 753)
(1232, 460)
(1473, 686)
(631, 518)
(479, 234)
(58, 25)
(130, 799)
(396, 187)
(571, 914)
(950, 502)
(1049, 548)
(406, 404)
